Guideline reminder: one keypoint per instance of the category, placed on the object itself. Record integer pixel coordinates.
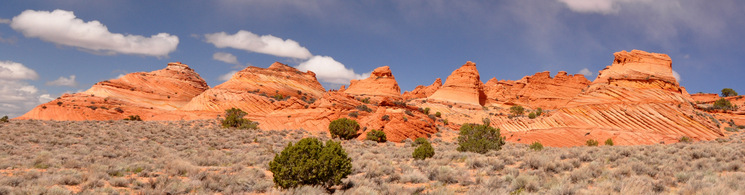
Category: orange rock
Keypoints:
(423, 91)
(537, 91)
(380, 83)
(463, 86)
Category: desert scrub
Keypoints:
(310, 162)
(591, 142)
(376, 135)
(133, 118)
(344, 128)
(234, 119)
(424, 150)
(479, 138)
(609, 142)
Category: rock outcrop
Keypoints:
(255, 90)
(380, 83)
(423, 91)
(537, 91)
(634, 101)
(463, 86)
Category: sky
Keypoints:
(52, 47)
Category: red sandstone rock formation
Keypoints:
(380, 83)
(463, 86)
(634, 101)
(423, 91)
(537, 91)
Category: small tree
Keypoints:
(424, 151)
(727, 92)
(609, 142)
(375, 135)
(517, 110)
(4, 119)
(438, 114)
(538, 111)
(723, 104)
(234, 119)
(419, 141)
(344, 128)
(684, 139)
(479, 138)
(531, 115)
(309, 162)
(426, 111)
(537, 146)
(592, 142)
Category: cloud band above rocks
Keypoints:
(17, 96)
(330, 71)
(64, 28)
(265, 44)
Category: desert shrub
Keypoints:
(723, 104)
(684, 139)
(538, 111)
(386, 118)
(426, 111)
(531, 115)
(278, 97)
(424, 151)
(234, 119)
(366, 100)
(517, 110)
(4, 119)
(363, 107)
(133, 118)
(445, 121)
(344, 128)
(420, 141)
(375, 135)
(591, 142)
(727, 92)
(354, 114)
(408, 112)
(609, 142)
(438, 114)
(310, 162)
(537, 146)
(479, 138)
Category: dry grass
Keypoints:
(110, 157)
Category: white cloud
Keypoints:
(16, 71)
(585, 72)
(598, 6)
(227, 76)
(676, 75)
(44, 98)
(119, 76)
(63, 27)
(225, 57)
(266, 44)
(17, 96)
(62, 81)
(329, 70)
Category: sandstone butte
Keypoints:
(635, 100)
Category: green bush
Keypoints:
(537, 146)
(344, 128)
(133, 118)
(609, 142)
(592, 142)
(424, 151)
(684, 139)
(386, 118)
(479, 138)
(278, 97)
(4, 119)
(538, 112)
(723, 104)
(309, 162)
(426, 111)
(354, 114)
(517, 110)
(531, 115)
(445, 121)
(363, 107)
(420, 141)
(727, 92)
(375, 135)
(234, 119)
(438, 114)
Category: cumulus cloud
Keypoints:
(329, 70)
(598, 6)
(62, 81)
(64, 28)
(585, 72)
(266, 44)
(225, 57)
(17, 96)
(676, 75)
(227, 76)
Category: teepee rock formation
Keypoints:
(463, 86)
(380, 83)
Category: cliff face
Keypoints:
(423, 91)
(537, 91)
(462, 86)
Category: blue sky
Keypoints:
(48, 48)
